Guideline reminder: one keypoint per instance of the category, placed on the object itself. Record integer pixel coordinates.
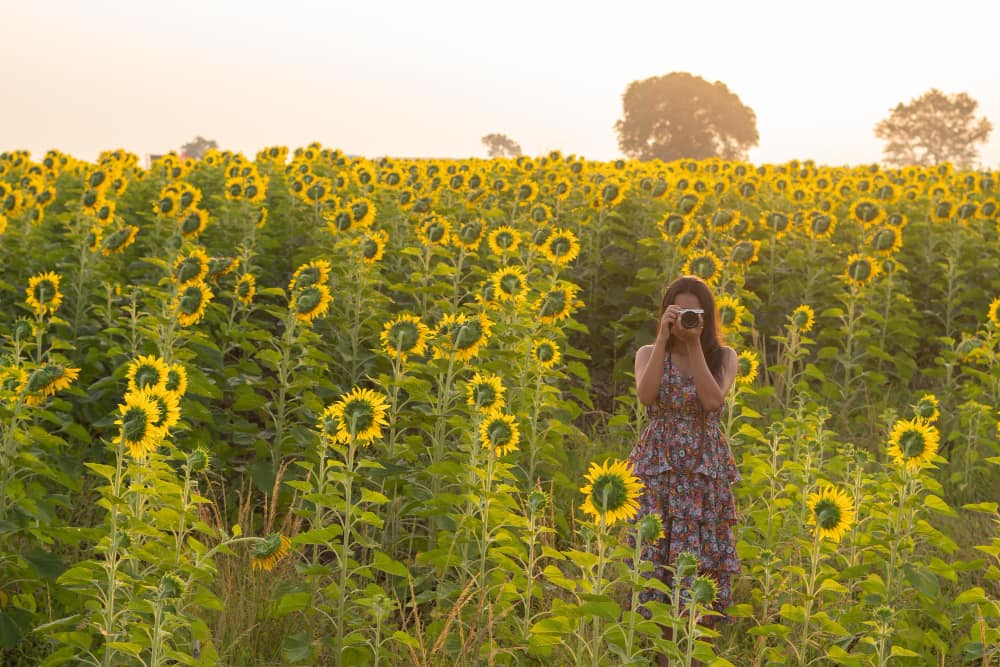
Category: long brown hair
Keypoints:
(711, 336)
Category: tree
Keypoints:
(500, 145)
(934, 128)
(197, 147)
(680, 115)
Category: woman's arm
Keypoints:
(711, 393)
(649, 360)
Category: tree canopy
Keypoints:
(500, 145)
(197, 147)
(680, 115)
(934, 128)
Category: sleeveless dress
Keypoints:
(687, 468)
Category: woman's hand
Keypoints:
(689, 337)
(667, 322)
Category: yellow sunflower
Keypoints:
(193, 223)
(434, 230)
(43, 295)
(510, 283)
(820, 224)
(47, 380)
(168, 407)
(557, 303)
(362, 211)
(861, 270)
(503, 240)
(462, 335)
(674, 226)
(116, 242)
(359, 416)
(546, 352)
(776, 223)
(731, 312)
(137, 418)
(926, 408)
(191, 268)
(747, 365)
(539, 213)
(802, 318)
(469, 235)
(485, 391)
(831, 511)
(404, 335)
(886, 241)
(500, 431)
(191, 302)
(147, 372)
(913, 443)
(311, 302)
(867, 211)
(612, 492)
(270, 551)
(316, 272)
(993, 312)
(177, 379)
(562, 247)
(372, 245)
(706, 265)
(246, 289)
(744, 253)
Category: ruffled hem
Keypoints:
(658, 452)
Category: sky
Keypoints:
(430, 79)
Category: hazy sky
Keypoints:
(431, 78)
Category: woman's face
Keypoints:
(687, 301)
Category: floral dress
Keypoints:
(687, 468)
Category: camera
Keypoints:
(690, 318)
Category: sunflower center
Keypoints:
(435, 232)
(191, 224)
(309, 276)
(189, 269)
(146, 376)
(510, 284)
(885, 239)
(43, 377)
(827, 514)
(44, 291)
(777, 222)
(860, 270)
(359, 210)
(484, 394)
(820, 224)
(545, 353)
(608, 493)
(560, 246)
(470, 231)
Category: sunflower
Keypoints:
(168, 406)
(191, 268)
(993, 312)
(316, 272)
(731, 311)
(688, 202)
(372, 245)
(462, 335)
(510, 283)
(912, 443)
(776, 222)
(926, 408)
(886, 241)
(177, 379)
(362, 211)
(116, 242)
(802, 318)
(310, 302)
(746, 370)
(820, 224)
(562, 247)
(943, 209)
(861, 270)
(3, 223)
(500, 431)
(270, 551)
(540, 213)
(723, 219)
(193, 223)
(742, 227)
(245, 289)
(610, 193)
(43, 295)
(545, 352)
(190, 303)
(469, 235)
(706, 265)
(867, 211)
(485, 392)
(612, 492)
(744, 253)
(404, 335)
(434, 230)
(557, 303)
(137, 418)
(526, 191)
(831, 511)
(13, 381)
(503, 240)
(358, 415)
(47, 380)
(147, 372)
(674, 226)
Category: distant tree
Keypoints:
(500, 145)
(197, 147)
(934, 128)
(680, 115)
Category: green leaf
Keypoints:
(388, 565)
(369, 496)
(834, 586)
(987, 507)
(405, 638)
(297, 647)
(600, 606)
(941, 507)
(903, 652)
(292, 602)
(972, 595)
(247, 399)
(107, 472)
(556, 576)
(318, 535)
(14, 623)
(47, 565)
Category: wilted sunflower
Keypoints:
(503, 240)
(404, 335)
(311, 302)
(462, 335)
(191, 302)
(993, 313)
(147, 372)
(43, 295)
(116, 242)
(245, 289)
(562, 247)
(747, 365)
(485, 391)
(557, 303)
(861, 270)
(177, 379)
(831, 511)
(270, 551)
(731, 311)
(47, 380)
(359, 416)
(500, 431)
(546, 352)
(912, 443)
(612, 492)
(191, 268)
(510, 283)
(706, 265)
(137, 418)
(926, 408)
(802, 318)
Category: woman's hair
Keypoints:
(711, 337)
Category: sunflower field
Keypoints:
(315, 409)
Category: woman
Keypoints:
(682, 457)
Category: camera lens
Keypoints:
(690, 319)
